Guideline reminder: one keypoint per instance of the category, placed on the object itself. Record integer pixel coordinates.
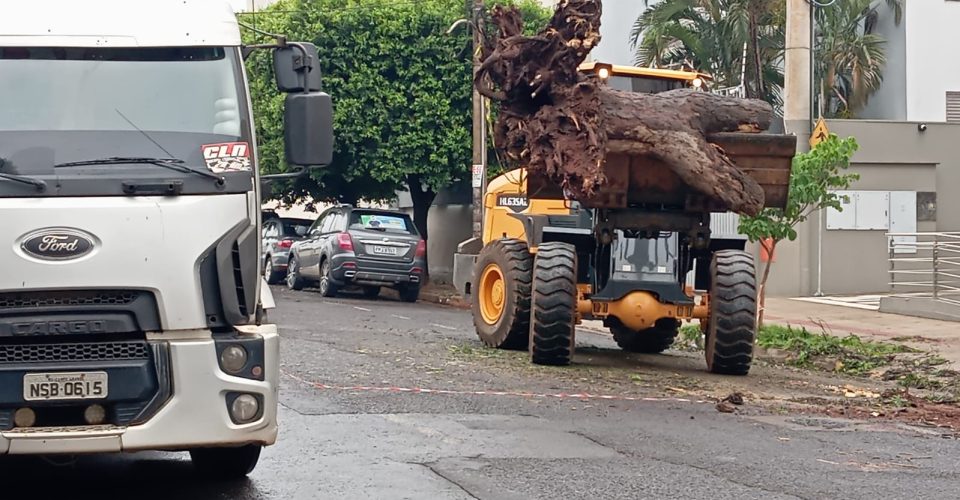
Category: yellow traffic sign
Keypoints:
(820, 133)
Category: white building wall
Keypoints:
(890, 101)
(932, 66)
(616, 22)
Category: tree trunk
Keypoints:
(561, 123)
(422, 199)
(762, 299)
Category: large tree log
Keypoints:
(562, 123)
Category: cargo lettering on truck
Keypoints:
(514, 202)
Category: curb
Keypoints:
(444, 299)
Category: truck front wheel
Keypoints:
(553, 304)
(226, 463)
(501, 294)
(732, 325)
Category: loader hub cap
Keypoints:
(492, 294)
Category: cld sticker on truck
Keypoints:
(227, 157)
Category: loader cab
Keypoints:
(647, 80)
(653, 259)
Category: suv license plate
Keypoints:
(58, 386)
(382, 250)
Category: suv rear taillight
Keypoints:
(286, 243)
(422, 248)
(345, 241)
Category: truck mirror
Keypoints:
(308, 129)
(293, 71)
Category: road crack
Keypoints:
(441, 475)
(701, 468)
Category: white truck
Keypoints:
(132, 307)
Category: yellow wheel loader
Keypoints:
(544, 262)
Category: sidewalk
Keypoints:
(930, 334)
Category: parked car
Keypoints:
(362, 248)
(268, 214)
(279, 234)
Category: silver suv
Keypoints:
(279, 234)
(360, 248)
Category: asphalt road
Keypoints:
(480, 439)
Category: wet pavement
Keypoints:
(356, 422)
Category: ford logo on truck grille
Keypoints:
(58, 244)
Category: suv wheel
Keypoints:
(409, 293)
(272, 276)
(294, 280)
(327, 287)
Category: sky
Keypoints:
(246, 5)
(617, 21)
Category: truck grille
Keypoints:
(92, 351)
(25, 300)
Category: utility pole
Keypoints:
(479, 168)
(798, 110)
(797, 78)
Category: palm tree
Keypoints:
(850, 57)
(737, 41)
(741, 42)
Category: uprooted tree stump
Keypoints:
(562, 123)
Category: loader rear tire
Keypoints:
(501, 294)
(553, 304)
(653, 340)
(732, 325)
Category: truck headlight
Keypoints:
(244, 408)
(233, 359)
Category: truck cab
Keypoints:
(133, 315)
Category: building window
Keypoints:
(926, 206)
(953, 107)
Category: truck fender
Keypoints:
(266, 296)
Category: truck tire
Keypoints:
(501, 294)
(226, 463)
(653, 340)
(732, 325)
(553, 304)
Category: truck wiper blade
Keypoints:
(170, 163)
(37, 183)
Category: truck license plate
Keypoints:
(382, 250)
(56, 386)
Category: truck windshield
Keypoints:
(63, 105)
(649, 259)
(644, 85)
(159, 89)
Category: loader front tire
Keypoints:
(553, 304)
(501, 294)
(653, 340)
(732, 325)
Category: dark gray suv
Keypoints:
(359, 248)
